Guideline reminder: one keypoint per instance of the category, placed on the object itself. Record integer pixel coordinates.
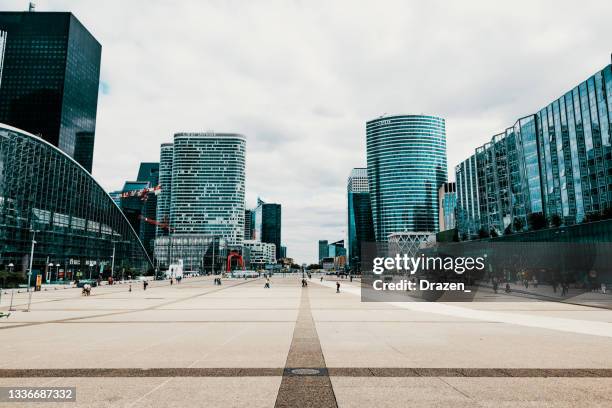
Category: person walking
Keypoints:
(321, 278)
(337, 287)
(130, 288)
(144, 285)
(267, 285)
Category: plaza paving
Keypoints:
(199, 345)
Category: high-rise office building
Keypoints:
(447, 203)
(249, 224)
(268, 224)
(165, 183)
(207, 185)
(323, 249)
(406, 156)
(50, 78)
(553, 167)
(360, 224)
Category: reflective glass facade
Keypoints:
(406, 157)
(50, 80)
(557, 163)
(468, 209)
(165, 182)
(207, 187)
(268, 224)
(43, 189)
(360, 224)
(447, 200)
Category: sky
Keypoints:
(300, 79)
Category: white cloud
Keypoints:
(301, 78)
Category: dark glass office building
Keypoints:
(50, 78)
(268, 224)
(360, 224)
(323, 249)
(77, 223)
(406, 156)
(551, 168)
(137, 203)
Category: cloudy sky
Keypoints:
(301, 78)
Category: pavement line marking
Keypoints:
(391, 372)
(589, 327)
(305, 381)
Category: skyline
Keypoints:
(290, 100)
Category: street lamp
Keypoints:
(30, 271)
(57, 272)
(113, 261)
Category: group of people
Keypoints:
(217, 281)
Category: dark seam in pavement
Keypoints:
(305, 381)
(28, 324)
(388, 372)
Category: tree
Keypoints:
(536, 221)
(313, 266)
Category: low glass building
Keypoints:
(47, 198)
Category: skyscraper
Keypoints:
(249, 224)
(406, 156)
(207, 187)
(268, 224)
(323, 249)
(50, 78)
(165, 183)
(360, 224)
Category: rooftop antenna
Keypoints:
(32, 7)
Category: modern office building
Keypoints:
(447, 202)
(50, 78)
(206, 195)
(551, 168)
(49, 202)
(258, 254)
(336, 249)
(268, 224)
(323, 249)
(283, 252)
(138, 201)
(198, 252)
(468, 209)
(360, 224)
(406, 157)
(165, 184)
(249, 224)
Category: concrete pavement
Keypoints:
(197, 344)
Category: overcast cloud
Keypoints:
(301, 78)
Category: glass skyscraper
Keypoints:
(207, 185)
(50, 77)
(360, 225)
(268, 224)
(406, 157)
(447, 201)
(165, 182)
(554, 165)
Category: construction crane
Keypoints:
(163, 224)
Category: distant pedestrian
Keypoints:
(171, 281)
(337, 287)
(508, 288)
(145, 284)
(495, 285)
(267, 284)
(130, 287)
(321, 278)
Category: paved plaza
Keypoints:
(196, 344)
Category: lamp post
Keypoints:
(57, 272)
(50, 273)
(113, 260)
(30, 271)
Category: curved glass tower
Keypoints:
(406, 156)
(207, 191)
(77, 225)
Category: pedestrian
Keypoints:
(267, 285)
(508, 287)
(144, 285)
(130, 287)
(321, 278)
(495, 285)
(554, 286)
(337, 287)
(171, 281)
